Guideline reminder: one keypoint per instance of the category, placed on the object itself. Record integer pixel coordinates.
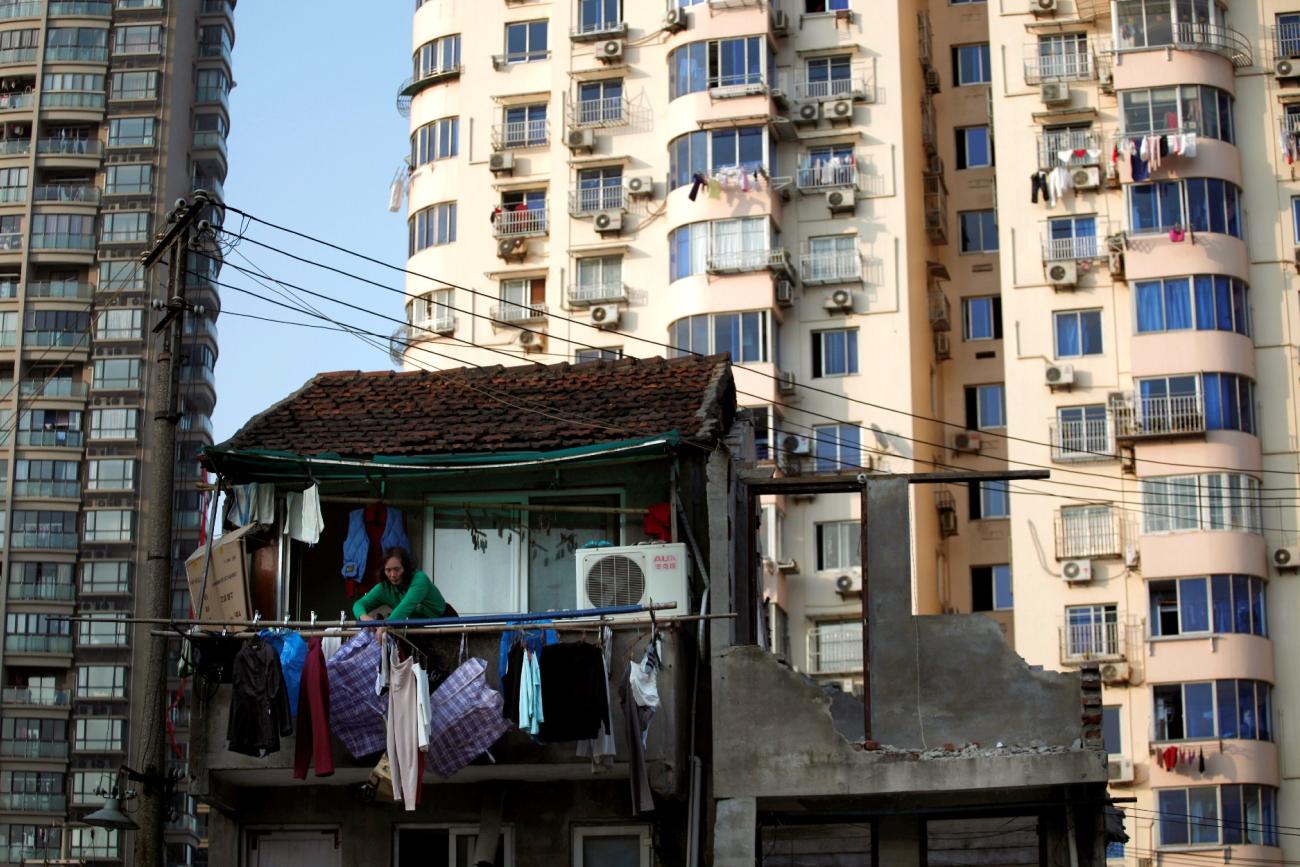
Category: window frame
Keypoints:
(984, 61)
(991, 318)
(963, 135)
(582, 832)
(530, 53)
(1081, 332)
(456, 832)
(1001, 598)
(847, 548)
(975, 399)
(985, 223)
(843, 450)
(821, 340)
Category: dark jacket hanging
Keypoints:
(575, 702)
(259, 706)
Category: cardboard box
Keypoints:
(226, 596)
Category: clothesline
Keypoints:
(510, 507)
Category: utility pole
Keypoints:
(155, 590)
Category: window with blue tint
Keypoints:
(1198, 704)
(981, 318)
(682, 4)
(526, 41)
(1229, 402)
(1155, 207)
(438, 57)
(1112, 732)
(1163, 305)
(991, 588)
(688, 155)
(1222, 815)
(432, 226)
(439, 140)
(596, 16)
(837, 447)
(989, 500)
(600, 103)
(1172, 805)
(1078, 333)
(1213, 205)
(827, 76)
(1178, 606)
(986, 406)
(974, 147)
(1002, 595)
(970, 64)
(1114, 851)
(1220, 304)
(525, 126)
(1295, 216)
(716, 63)
(741, 147)
(979, 231)
(812, 7)
(835, 352)
(1072, 238)
(688, 250)
(744, 335)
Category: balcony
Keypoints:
(1069, 66)
(936, 207)
(1173, 417)
(599, 113)
(509, 312)
(92, 100)
(45, 439)
(19, 10)
(25, 643)
(15, 101)
(11, 56)
(521, 135)
(45, 540)
(197, 374)
(205, 95)
(39, 696)
(76, 54)
(858, 86)
(774, 259)
(830, 267)
(79, 147)
(1084, 147)
(1093, 642)
(590, 31)
(835, 650)
(60, 388)
(56, 339)
(587, 202)
(940, 309)
(68, 289)
(15, 147)
(828, 175)
(741, 84)
(84, 194)
(46, 591)
(1189, 36)
(1285, 41)
(1089, 532)
(47, 489)
(63, 241)
(209, 140)
(1076, 442)
(1077, 248)
(428, 78)
(11, 242)
(929, 128)
(31, 802)
(82, 8)
(32, 749)
(608, 292)
(12, 195)
(214, 51)
(523, 223)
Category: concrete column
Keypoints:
(735, 833)
(900, 843)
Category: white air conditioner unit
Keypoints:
(608, 222)
(581, 139)
(1076, 571)
(808, 113)
(1119, 769)
(1042, 5)
(1055, 93)
(632, 575)
(1059, 375)
(942, 346)
(848, 582)
(1115, 673)
(677, 19)
(839, 301)
(532, 341)
(780, 21)
(1286, 559)
(611, 51)
(605, 316)
(841, 201)
(795, 444)
(1063, 275)
(512, 248)
(501, 164)
(1086, 178)
(785, 293)
(840, 110)
(948, 522)
(641, 185)
(1285, 67)
(787, 384)
(966, 441)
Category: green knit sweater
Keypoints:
(421, 599)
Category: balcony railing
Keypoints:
(739, 261)
(77, 53)
(857, 86)
(591, 113)
(1088, 642)
(428, 78)
(1285, 41)
(61, 289)
(1073, 249)
(1069, 66)
(40, 696)
(32, 749)
(1071, 147)
(940, 309)
(1082, 441)
(75, 99)
(827, 175)
(511, 312)
(1176, 416)
(585, 30)
(44, 540)
(45, 591)
(20, 10)
(23, 643)
(740, 84)
(68, 146)
(593, 200)
(836, 650)
(82, 8)
(30, 802)
(1290, 124)
(11, 242)
(1189, 36)
(1086, 532)
(80, 193)
(13, 101)
(10, 195)
(15, 147)
(521, 134)
(63, 388)
(209, 140)
(63, 241)
(831, 267)
(70, 439)
(51, 489)
(520, 223)
(9, 56)
(444, 323)
(598, 293)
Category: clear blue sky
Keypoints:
(315, 139)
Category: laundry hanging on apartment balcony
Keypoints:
(303, 520)
(259, 705)
(1290, 145)
(371, 531)
(292, 652)
(356, 712)
(838, 169)
(465, 717)
(575, 700)
(602, 748)
(314, 740)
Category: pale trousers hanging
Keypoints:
(403, 731)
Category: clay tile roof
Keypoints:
(497, 409)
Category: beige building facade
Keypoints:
(1050, 235)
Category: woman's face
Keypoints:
(393, 570)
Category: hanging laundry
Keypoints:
(466, 719)
(1063, 157)
(1171, 758)
(534, 638)
(573, 692)
(292, 651)
(402, 726)
(1037, 184)
(313, 718)
(531, 712)
(1058, 183)
(426, 711)
(715, 188)
(259, 708)
(638, 778)
(1200, 760)
(601, 749)
(356, 713)
(643, 679)
(1188, 144)
(303, 519)
(697, 181)
(1137, 162)
(371, 531)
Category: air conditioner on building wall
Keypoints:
(1042, 5)
(501, 164)
(840, 110)
(641, 185)
(1076, 571)
(1086, 178)
(848, 582)
(1063, 275)
(605, 316)
(677, 19)
(788, 383)
(1285, 67)
(1115, 673)
(1119, 769)
(780, 21)
(1059, 375)
(966, 441)
(1055, 93)
(611, 51)
(512, 248)
(1286, 559)
(841, 201)
(795, 444)
(608, 222)
(532, 341)
(785, 293)
(808, 113)
(632, 575)
(840, 301)
(581, 139)
(942, 346)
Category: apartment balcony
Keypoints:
(1089, 533)
(27, 643)
(521, 135)
(14, 101)
(30, 802)
(1081, 148)
(47, 490)
(13, 56)
(11, 242)
(940, 309)
(32, 749)
(74, 99)
(63, 241)
(1176, 417)
(444, 323)
(594, 200)
(15, 147)
(936, 207)
(215, 51)
(523, 223)
(24, 696)
(1071, 66)
(1083, 643)
(78, 147)
(599, 113)
(835, 650)
(190, 374)
(741, 84)
(76, 54)
(223, 8)
(859, 85)
(66, 194)
(828, 175)
(830, 267)
(1188, 36)
(19, 10)
(45, 591)
(51, 439)
(1285, 41)
(17, 853)
(774, 259)
(20, 540)
(1078, 248)
(81, 8)
(1077, 442)
(428, 78)
(209, 140)
(592, 31)
(608, 292)
(512, 314)
(64, 289)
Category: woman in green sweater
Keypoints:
(409, 593)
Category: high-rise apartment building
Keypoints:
(1033, 234)
(109, 111)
